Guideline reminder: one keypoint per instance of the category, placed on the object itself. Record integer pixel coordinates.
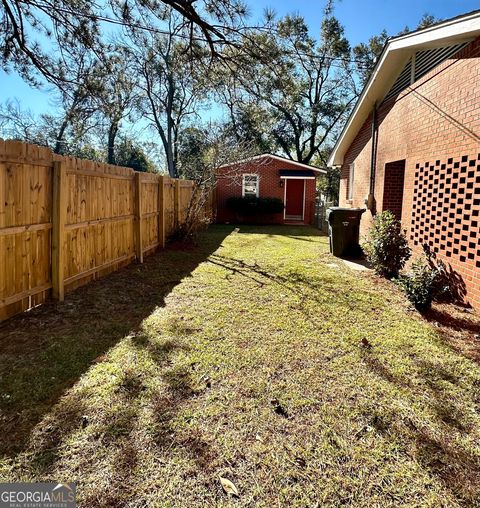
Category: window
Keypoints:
(250, 185)
(351, 175)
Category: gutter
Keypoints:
(370, 201)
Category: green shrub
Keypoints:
(423, 282)
(251, 205)
(386, 247)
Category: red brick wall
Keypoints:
(435, 126)
(229, 184)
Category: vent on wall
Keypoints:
(401, 83)
(423, 62)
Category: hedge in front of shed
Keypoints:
(251, 205)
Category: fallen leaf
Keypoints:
(365, 343)
(364, 430)
(229, 487)
(278, 408)
(301, 462)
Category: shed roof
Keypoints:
(290, 162)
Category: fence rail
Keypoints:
(66, 221)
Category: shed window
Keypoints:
(351, 176)
(250, 185)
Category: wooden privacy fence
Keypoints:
(65, 221)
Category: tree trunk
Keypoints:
(171, 162)
(59, 148)
(112, 134)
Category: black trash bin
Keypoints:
(344, 231)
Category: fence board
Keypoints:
(96, 221)
(59, 213)
(169, 199)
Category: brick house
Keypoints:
(269, 176)
(412, 145)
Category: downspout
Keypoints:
(370, 201)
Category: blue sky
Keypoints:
(361, 20)
(364, 18)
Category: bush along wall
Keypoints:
(386, 246)
(251, 208)
(387, 251)
(424, 282)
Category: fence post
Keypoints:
(59, 213)
(176, 203)
(161, 212)
(138, 217)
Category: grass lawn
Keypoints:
(241, 358)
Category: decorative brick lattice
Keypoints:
(446, 208)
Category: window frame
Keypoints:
(257, 189)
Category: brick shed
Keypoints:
(412, 145)
(269, 176)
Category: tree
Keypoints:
(251, 124)
(132, 155)
(116, 93)
(328, 184)
(77, 139)
(213, 22)
(171, 86)
(76, 93)
(202, 152)
(30, 28)
(23, 125)
(425, 21)
(192, 148)
(367, 54)
(298, 88)
(25, 25)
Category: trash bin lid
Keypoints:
(339, 211)
(345, 209)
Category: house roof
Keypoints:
(277, 157)
(395, 55)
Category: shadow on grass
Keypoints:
(455, 323)
(44, 352)
(281, 230)
(444, 458)
(305, 287)
(138, 426)
(255, 272)
(458, 326)
(455, 467)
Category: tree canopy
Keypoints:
(128, 71)
(288, 91)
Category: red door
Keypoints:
(294, 199)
